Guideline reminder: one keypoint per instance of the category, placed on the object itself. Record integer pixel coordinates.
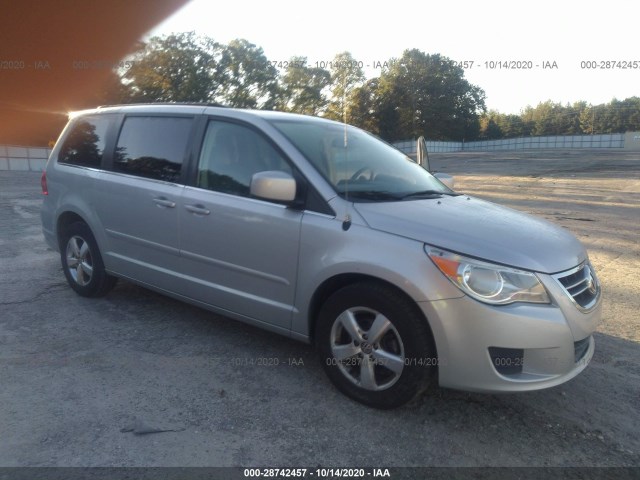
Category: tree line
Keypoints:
(549, 118)
(415, 94)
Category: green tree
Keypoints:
(423, 94)
(607, 119)
(510, 125)
(346, 76)
(490, 126)
(493, 131)
(579, 118)
(247, 79)
(544, 119)
(632, 114)
(175, 68)
(303, 87)
(541, 116)
(586, 120)
(572, 118)
(620, 115)
(528, 122)
(364, 106)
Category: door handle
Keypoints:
(197, 209)
(164, 202)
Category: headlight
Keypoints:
(488, 282)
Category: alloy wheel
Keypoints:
(79, 261)
(367, 348)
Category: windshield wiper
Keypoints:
(425, 193)
(387, 195)
(372, 194)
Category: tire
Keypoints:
(82, 263)
(375, 345)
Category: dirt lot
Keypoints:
(80, 377)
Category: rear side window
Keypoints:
(152, 147)
(85, 143)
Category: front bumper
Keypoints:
(511, 348)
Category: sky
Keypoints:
(560, 35)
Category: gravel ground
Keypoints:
(83, 379)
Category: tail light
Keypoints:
(43, 183)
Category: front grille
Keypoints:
(581, 347)
(581, 284)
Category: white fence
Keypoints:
(409, 146)
(23, 158)
(609, 140)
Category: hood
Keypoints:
(479, 229)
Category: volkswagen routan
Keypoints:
(322, 232)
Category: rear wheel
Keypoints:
(82, 262)
(374, 345)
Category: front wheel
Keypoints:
(374, 345)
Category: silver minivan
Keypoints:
(322, 232)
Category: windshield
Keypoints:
(358, 164)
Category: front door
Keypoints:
(239, 253)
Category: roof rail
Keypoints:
(194, 104)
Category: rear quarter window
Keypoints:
(84, 145)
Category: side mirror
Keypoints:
(445, 178)
(273, 185)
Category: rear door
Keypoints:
(239, 253)
(137, 197)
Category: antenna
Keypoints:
(346, 223)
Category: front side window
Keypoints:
(152, 147)
(85, 143)
(231, 154)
